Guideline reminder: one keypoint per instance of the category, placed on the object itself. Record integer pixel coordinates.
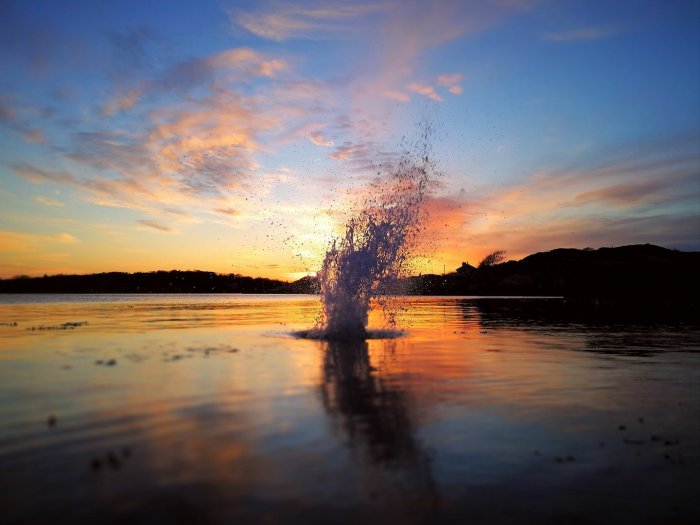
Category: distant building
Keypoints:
(465, 268)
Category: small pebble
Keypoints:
(111, 362)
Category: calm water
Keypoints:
(205, 409)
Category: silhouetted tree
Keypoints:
(493, 258)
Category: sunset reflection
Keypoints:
(230, 416)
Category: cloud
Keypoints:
(229, 212)
(206, 146)
(231, 66)
(21, 118)
(47, 201)
(23, 242)
(588, 33)
(451, 82)
(193, 136)
(646, 192)
(154, 225)
(109, 150)
(35, 136)
(425, 90)
(66, 238)
(318, 139)
(631, 193)
(119, 192)
(311, 21)
(397, 95)
(123, 101)
(36, 175)
(18, 242)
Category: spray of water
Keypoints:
(367, 261)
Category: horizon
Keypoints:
(238, 136)
(476, 265)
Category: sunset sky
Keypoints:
(230, 136)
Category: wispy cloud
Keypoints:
(319, 20)
(194, 144)
(642, 193)
(397, 95)
(66, 238)
(582, 34)
(23, 119)
(221, 69)
(229, 212)
(23, 242)
(154, 225)
(452, 82)
(48, 201)
(425, 90)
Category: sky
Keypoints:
(233, 136)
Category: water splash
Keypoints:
(368, 260)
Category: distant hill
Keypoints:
(144, 282)
(638, 273)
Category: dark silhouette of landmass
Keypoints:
(144, 282)
(638, 273)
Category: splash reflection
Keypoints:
(379, 422)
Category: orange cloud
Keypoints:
(11, 241)
(284, 21)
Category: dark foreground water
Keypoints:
(204, 409)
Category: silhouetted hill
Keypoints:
(307, 285)
(144, 282)
(632, 273)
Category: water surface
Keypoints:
(206, 409)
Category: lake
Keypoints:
(208, 409)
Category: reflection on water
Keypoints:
(376, 418)
(205, 409)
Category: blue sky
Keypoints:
(231, 135)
